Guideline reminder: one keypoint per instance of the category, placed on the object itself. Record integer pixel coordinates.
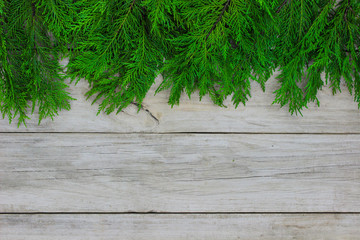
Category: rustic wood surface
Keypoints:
(179, 173)
(336, 114)
(177, 227)
(195, 171)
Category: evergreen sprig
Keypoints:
(33, 37)
(118, 51)
(316, 36)
(213, 47)
(219, 47)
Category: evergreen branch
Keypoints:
(29, 65)
(214, 47)
(282, 5)
(219, 18)
(126, 73)
(118, 30)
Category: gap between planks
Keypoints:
(192, 133)
(179, 213)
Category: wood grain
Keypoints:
(179, 173)
(337, 114)
(177, 227)
(195, 186)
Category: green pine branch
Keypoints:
(212, 48)
(116, 52)
(31, 76)
(219, 48)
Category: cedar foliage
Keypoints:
(317, 36)
(214, 47)
(115, 52)
(33, 37)
(219, 48)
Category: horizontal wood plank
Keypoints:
(179, 173)
(337, 114)
(180, 227)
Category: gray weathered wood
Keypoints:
(176, 227)
(337, 114)
(179, 172)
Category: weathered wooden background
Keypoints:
(196, 171)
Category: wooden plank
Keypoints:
(179, 173)
(176, 227)
(337, 114)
